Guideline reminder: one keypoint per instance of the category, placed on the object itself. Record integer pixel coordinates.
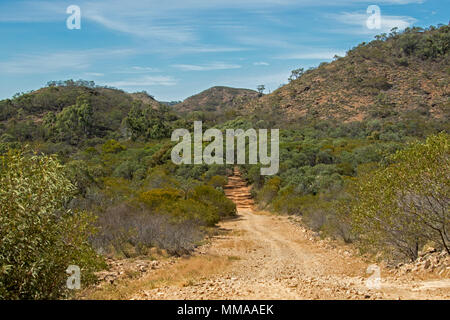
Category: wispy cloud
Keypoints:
(273, 41)
(29, 64)
(192, 36)
(261, 63)
(144, 28)
(271, 80)
(208, 67)
(322, 54)
(136, 70)
(359, 20)
(208, 49)
(120, 15)
(145, 81)
(58, 61)
(94, 74)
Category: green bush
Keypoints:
(218, 181)
(397, 209)
(39, 237)
(215, 199)
(171, 202)
(191, 210)
(288, 202)
(269, 191)
(113, 146)
(203, 204)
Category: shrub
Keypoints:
(288, 202)
(123, 225)
(399, 208)
(269, 191)
(216, 199)
(113, 146)
(203, 207)
(127, 170)
(377, 82)
(191, 210)
(39, 238)
(157, 197)
(218, 181)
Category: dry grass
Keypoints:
(261, 212)
(239, 245)
(184, 272)
(237, 233)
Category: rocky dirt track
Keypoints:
(274, 257)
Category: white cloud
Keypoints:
(143, 69)
(144, 28)
(272, 81)
(58, 61)
(94, 74)
(209, 67)
(126, 12)
(136, 70)
(272, 41)
(145, 81)
(260, 63)
(326, 54)
(30, 64)
(208, 49)
(360, 19)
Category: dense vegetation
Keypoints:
(386, 196)
(40, 236)
(402, 206)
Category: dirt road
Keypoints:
(274, 257)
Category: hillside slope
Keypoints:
(56, 97)
(28, 116)
(215, 98)
(397, 76)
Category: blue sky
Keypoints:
(176, 48)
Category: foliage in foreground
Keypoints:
(400, 208)
(39, 237)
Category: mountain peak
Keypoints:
(216, 97)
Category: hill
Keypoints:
(29, 116)
(396, 76)
(216, 98)
(146, 98)
(61, 94)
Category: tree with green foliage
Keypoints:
(147, 122)
(218, 182)
(261, 88)
(113, 146)
(295, 74)
(39, 237)
(73, 124)
(403, 206)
